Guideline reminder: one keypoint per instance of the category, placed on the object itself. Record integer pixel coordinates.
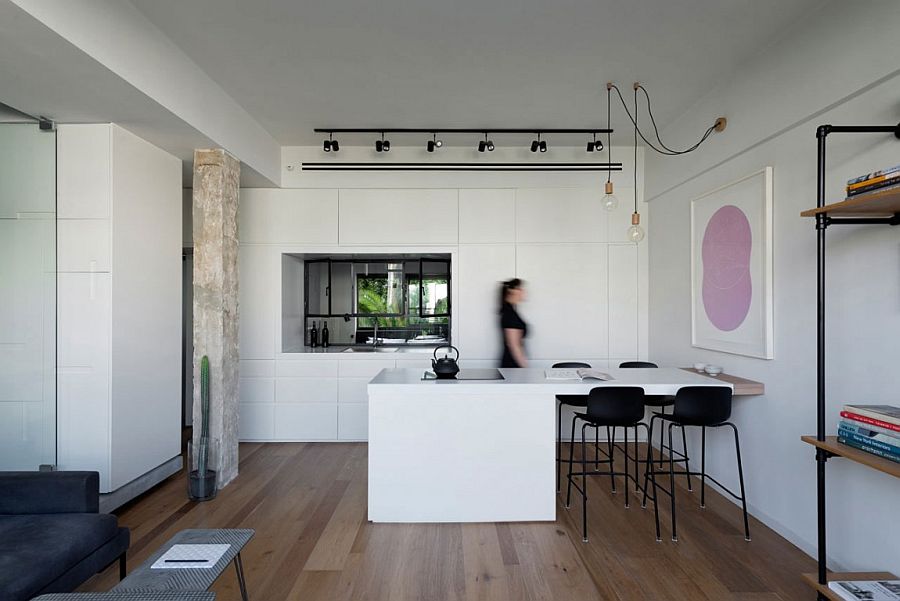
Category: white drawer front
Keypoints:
(364, 368)
(257, 421)
(305, 421)
(353, 390)
(306, 369)
(353, 421)
(305, 390)
(257, 390)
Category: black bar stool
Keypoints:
(660, 401)
(703, 407)
(572, 400)
(609, 407)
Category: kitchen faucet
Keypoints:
(375, 339)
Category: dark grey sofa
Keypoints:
(52, 536)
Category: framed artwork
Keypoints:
(731, 268)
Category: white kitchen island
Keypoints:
(477, 451)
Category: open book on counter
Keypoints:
(581, 373)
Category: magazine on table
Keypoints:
(581, 373)
(866, 590)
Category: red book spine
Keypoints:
(868, 420)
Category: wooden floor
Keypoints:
(307, 503)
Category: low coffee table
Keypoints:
(144, 578)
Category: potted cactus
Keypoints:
(202, 481)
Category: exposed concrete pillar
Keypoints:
(215, 204)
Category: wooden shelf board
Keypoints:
(883, 203)
(831, 445)
(813, 580)
(742, 386)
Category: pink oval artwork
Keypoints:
(727, 285)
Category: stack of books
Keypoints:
(879, 180)
(872, 428)
(866, 590)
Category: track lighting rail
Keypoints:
(408, 130)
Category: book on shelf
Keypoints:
(883, 434)
(882, 185)
(868, 449)
(888, 414)
(874, 174)
(868, 420)
(866, 590)
(583, 373)
(854, 435)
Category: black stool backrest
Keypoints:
(571, 365)
(703, 405)
(628, 364)
(616, 405)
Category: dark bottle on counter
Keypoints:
(324, 333)
(314, 336)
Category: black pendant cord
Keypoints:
(662, 149)
(634, 169)
(608, 134)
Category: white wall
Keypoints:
(587, 283)
(773, 113)
(119, 303)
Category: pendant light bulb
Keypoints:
(610, 200)
(635, 232)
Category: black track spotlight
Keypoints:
(434, 143)
(335, 146)
(595, 145)
(482, 146)
(387, 145)
(538, 144)
(330, 144)
(379, 145)
(543, 146)
(486, 144)
(382, 145)
(534, 145)
(490, 145)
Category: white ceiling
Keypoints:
(464, 63)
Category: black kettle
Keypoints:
(445, 368)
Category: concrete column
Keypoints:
(215, 204)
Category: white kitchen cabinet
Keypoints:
(288, 216)
(398, 217)
(83, 245)
(353, 421)
(364, 368)
(258, 267)
(560, 215)
(306, 390)
(119, 307)
(567, 304)
(256, 390)
(315, 368)
(306, 421)
(487, 216)
(480, 271)
(257, 421)
(353, 390)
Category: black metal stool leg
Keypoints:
(687, 464)
(611, 445)
(239, 568)
(637, 472)
(121, 567)
(703, 467)
(652, 472)
(596, 448)
(571, 457)
(662, 443)
(584, 486)
(672, 483)
(612, 468)
(737, 448)
(651, 463)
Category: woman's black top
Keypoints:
(509, 319)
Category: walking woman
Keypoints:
(512, 326)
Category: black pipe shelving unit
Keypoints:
(881, 207)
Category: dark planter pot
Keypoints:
(202, 488)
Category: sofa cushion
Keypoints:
(37, 549)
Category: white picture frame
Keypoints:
(732, 295)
